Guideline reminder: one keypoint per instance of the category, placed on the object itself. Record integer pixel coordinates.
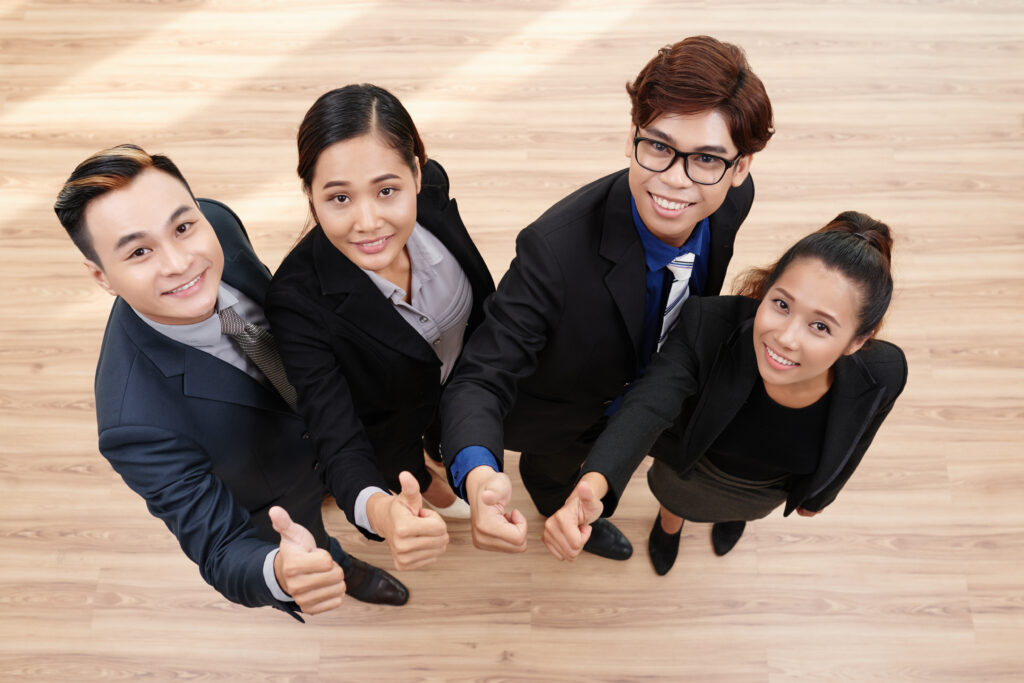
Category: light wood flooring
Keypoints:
(909, 110)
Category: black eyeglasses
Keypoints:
(700, 167)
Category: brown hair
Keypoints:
(853, 244)
(702, 74)
(105, 171)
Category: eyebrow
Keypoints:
(139, 234)
(714, 149)
(345, 183)
(816, 312)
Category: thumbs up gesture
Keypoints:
(567, 531)
(308, 574)
(416, 536)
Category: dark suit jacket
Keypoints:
(562, 337)
(366, 380)
(698, 383)
(209, 448)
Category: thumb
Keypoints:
(410, 494)
(585, 495)
(293, 533)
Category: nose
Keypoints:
(367, 216)
(176, 259)
(675, 175)
(789, 335)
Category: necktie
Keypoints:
(680, 267)
(258, 344)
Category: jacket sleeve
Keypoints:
(650, 407)
(347, 463)
(828, 494)
(173, 474)
(503, 350)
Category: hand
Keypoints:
(567, 531)
(305, 572)
(489, 494)
(803, 512)
(416, 536)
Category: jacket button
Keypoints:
(607, 403)
(316, 465)
(305, 435)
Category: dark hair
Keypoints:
(352, 111)
(702, 74)
(853, 244)
(105, 171)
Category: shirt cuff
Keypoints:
(363, 519)
(271, 578)
(467, 459)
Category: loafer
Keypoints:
(724, 536)
(367, 583)
(607, 541)
(663, 547)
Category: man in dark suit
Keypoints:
(192, 424)
(596, 284)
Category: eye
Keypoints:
(821, 327)
(183, 228)
(780, 304)
(340, 199)
(139, 253)
(659, 147)
(387, 191)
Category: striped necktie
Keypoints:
(680, 267)
(258, 344)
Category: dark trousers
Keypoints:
(550, 477)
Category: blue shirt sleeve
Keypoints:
(467, 459)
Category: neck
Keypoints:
(802, 394)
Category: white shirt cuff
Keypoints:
(271, 578)
(362, 519)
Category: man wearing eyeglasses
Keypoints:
(594, 286)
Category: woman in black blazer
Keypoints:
(371, 307)
(765, 399)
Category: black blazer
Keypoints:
(209, 448)
(700, 379)
(366, 380)
(563, 333)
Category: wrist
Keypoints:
(477, 477)
(597, 482)
(377, 513)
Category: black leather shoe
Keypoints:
(607, 541)
(724, 536)
(663, 547)
(367, 583)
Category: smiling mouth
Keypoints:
(779, 359)
(190, 283)
(373, 243)
(669, 204)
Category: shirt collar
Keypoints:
(202, 334)
(657, 254)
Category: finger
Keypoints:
(410, 494)
(319, 599)
(297, 564)
(290, 531)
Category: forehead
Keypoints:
(696, 131)
(815, 286)
(143, 205)
(365, 155)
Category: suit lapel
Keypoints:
(358, 301)
(203, 375)
(620, 244)
(732, 377)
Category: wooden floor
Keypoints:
(912, 111)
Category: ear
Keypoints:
(418, 176)
(99, 276)
(857, 343)
(629, 141)
(741, 169)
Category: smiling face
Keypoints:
(805, 322)
(158, 252)
(669, 203)
(364, 197)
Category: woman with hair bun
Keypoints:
(768, 397)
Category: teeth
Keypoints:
(666, 204)
(777, 358)
(375, 243)
(186, 285)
